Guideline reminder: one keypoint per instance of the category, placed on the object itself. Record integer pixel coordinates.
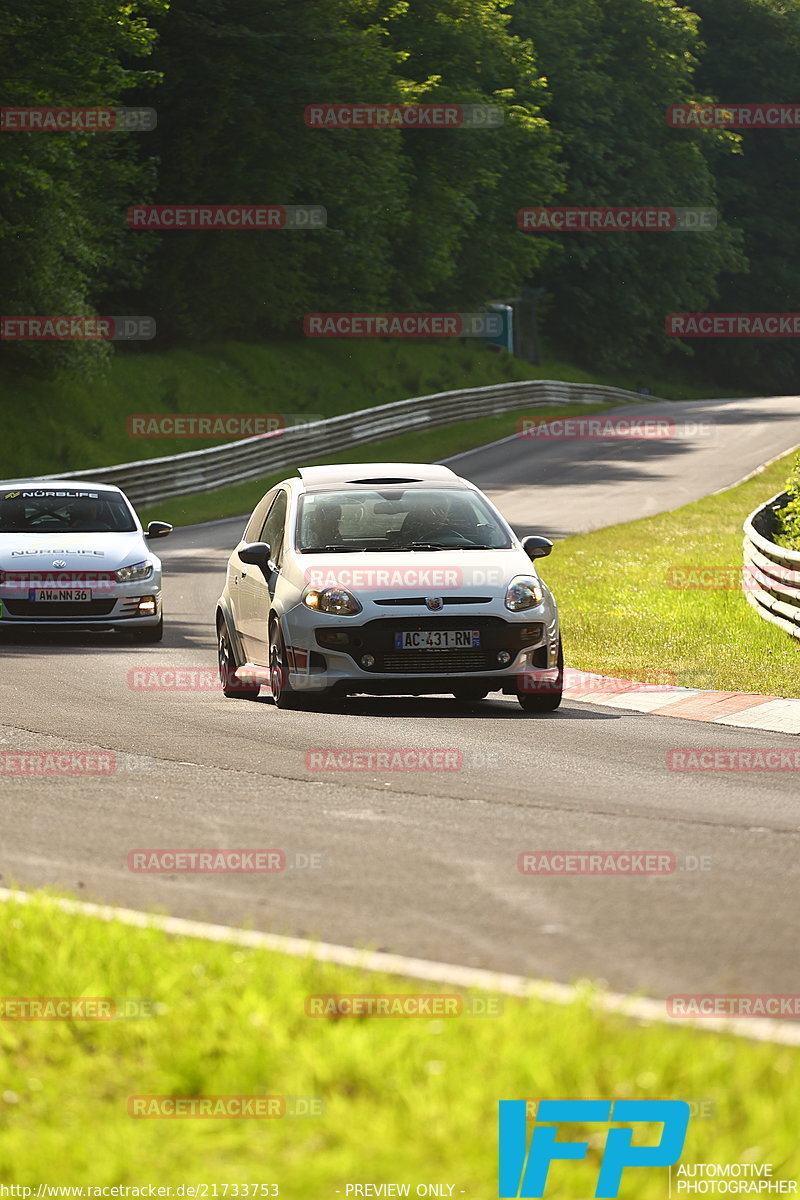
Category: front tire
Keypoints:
(232, 687)
(545, 701)
(279, 684)
(149, 633)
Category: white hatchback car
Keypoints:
(73, 555)
(387, 579)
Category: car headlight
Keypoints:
(142, 570)
(334, 600)
(524, 592)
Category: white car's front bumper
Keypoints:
(132, 605)
(358, 653)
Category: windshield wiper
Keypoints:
(338, 549)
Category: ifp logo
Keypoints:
(523, 1168)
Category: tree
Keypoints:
(613, 67)
(61, 216)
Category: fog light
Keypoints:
(147, 606)
(367, 660)
(503, 658)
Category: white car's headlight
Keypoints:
(142, 570)
(336, 600)
(524, 592)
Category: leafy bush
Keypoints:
(787, 520)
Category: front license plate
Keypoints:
(59, 595)
(437, 639)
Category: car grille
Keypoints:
(65, 609)
(434, 662)
(377, 639)
(410, 601)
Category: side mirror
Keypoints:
(536, 546)
(158, 529)
(256, 554)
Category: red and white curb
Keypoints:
(742, 709)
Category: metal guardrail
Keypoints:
(771, 577)
(154, 479)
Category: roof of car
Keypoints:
(360, 474)
(45, 482)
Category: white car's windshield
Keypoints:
(40, 511)
(397, 519)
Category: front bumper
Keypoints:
(353, 657)
(120, 608)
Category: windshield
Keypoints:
(41, 511)
(398, 519)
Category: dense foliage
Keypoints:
(417, 220)
(787, 519)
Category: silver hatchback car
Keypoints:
(386, 579)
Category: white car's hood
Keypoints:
(89, 551)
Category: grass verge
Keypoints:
(69, 423)
(405, 1100)
(427, 445)
(637, 599)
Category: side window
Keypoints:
(272, 533)
(257, 519)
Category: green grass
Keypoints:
(622, 618)
(411, 1100)
(419, 446)
(72, 424)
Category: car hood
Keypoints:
(89, 551)
(418, 572)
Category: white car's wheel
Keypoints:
(149, 633)
(282, 692)
(549, 700)
(232, 686)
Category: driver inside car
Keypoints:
(427, 523)
(85, 517)
(323, 525)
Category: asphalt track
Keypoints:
(423, 864)
(560, 487)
